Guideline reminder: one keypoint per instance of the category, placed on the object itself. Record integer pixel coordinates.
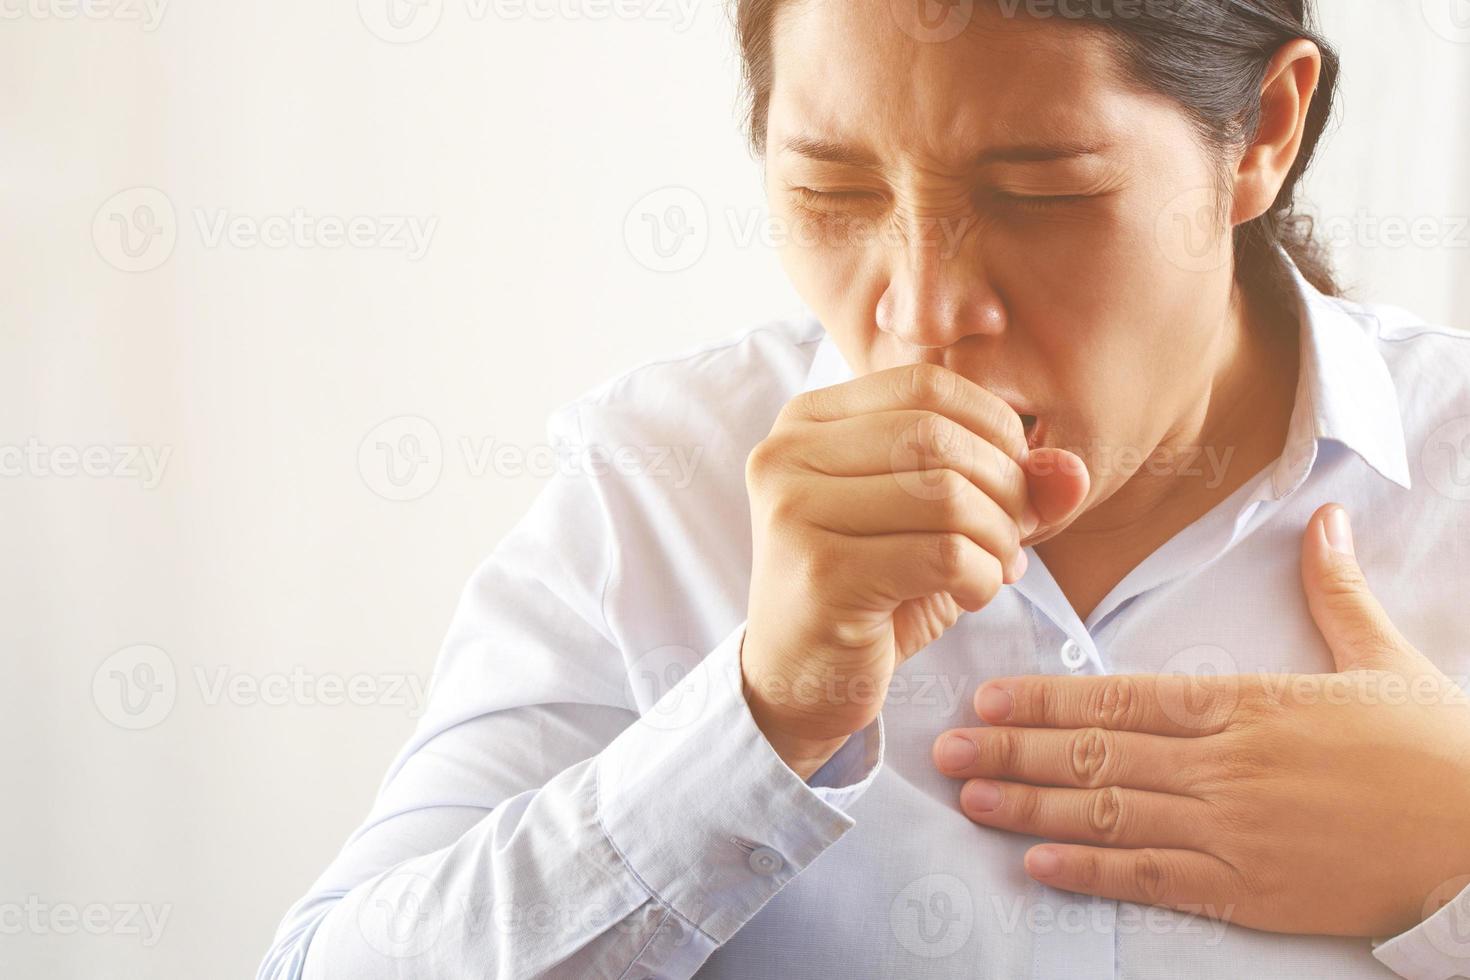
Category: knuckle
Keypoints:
(950, 554)
(1115, 703)
(1087, 869)
(765, 459)
(1341, 579)
(786, 506)
(1004, 750)
(1028, 806)
(926, 384)
(801, 406)
(941, 438)
(1089, 750)
(1035, 703)
(950, 495)
(1105, 814)
(1150, 876)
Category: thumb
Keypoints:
(1057, 483)
(1356, 628)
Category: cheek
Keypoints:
(1096, 292)
(836, 275)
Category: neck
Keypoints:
(1214, 445)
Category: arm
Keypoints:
(535, 825)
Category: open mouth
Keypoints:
(1033, 430)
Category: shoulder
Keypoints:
(1428, 362)
(1430, 367)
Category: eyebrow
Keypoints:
(829, 151)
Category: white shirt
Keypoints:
(587, 795)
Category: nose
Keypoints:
(934, 299)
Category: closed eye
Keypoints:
(837, 199)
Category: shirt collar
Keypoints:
(1344, 391)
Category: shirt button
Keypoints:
(1073, 656)
(764, 861)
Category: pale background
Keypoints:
(271, 556)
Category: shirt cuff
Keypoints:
(1436, 949)
(706, 814)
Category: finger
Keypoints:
(915, 445)
(1350, 618)
(890, 568)
(1174, 878)
(1057, 484)
(871, 505)
(1083, 758)
(921, 386)
(1182, 706)
(1110, 816)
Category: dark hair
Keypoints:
(1210, 57)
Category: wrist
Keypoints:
(802, 754)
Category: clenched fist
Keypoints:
(880, 509)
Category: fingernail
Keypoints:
(1043, 863)
(979, 796)
(957, 752)
(994, 704)
(1019, 566)
(1339, 531)
(1030, 520)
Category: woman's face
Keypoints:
(1003, 204)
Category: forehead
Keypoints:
(872, 72)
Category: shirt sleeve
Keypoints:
(1436, 949)
(538, 824)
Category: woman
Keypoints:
(1072, 442)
